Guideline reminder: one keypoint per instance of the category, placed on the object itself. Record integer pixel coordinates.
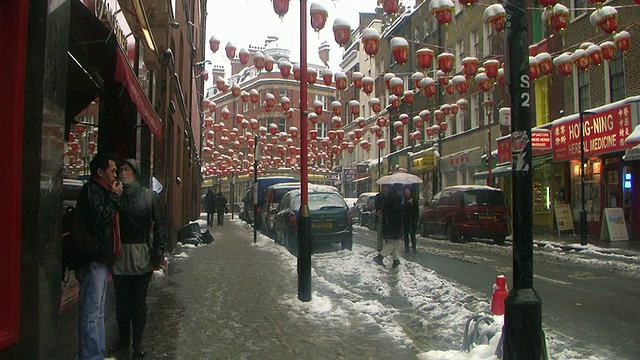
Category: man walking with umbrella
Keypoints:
(391, 225)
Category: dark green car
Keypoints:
(331, 220)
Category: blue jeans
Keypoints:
(91, 331)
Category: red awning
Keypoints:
(124, 74)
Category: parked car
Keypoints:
(331, 220)
(362, 202)
(463, 212)
(272, 196)
(351, 202)
(262, 184)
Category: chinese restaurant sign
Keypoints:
(604, 133)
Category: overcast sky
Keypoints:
(249, 22)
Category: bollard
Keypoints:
(499, 294)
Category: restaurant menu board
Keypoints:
(613, 225)
(564, 220)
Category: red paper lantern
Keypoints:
(443, 126)
(313, 118)
(390, 6)
(365, 145)
(428, 86)
(313, 134)
(318, 16)
(418, 122)
(341, 31)
(470, 66)
(318, 107)
(454, 109)
(367, 85)
(225, 113)
(273, 128)
(400, 50)
(460, 83)
(281, 7)
(374, 103)
(425, 115)
(442, 10)
(403, 118)
(446, 109)
(462, 104)
(360, 122)
(396, 86)
(387, 79)
(285, 68)
(235, 90)
(381, 143)
(381, 122)
(623, 40)
(269, 61)
(296, 72)
(230, 50)
(424, 58)
(606, 18)
(356, 78)
(285, 102)
(336, 108)
(239, 118)
(416, 78)
(450, 89)
(534, 71)
(608, 49)
(340, 134)
(354, 107)
(312, 75)
(495, 16)
(371, 41)
(558, 16)
(564, 64)
(258, 60)
(244, 55)
(407, 96)
(595, 54)
(358, 132)
(336, 122)
(214, 44)
(212, 106)
(293, 131)
(327, 77)
(254, 96)
(220, 84)
(438, 115)
(254, 124)
(442, 77)
(270, 100)
(394, 101)
(491, 68)
(544, 63)
(341, 80)
(446, 62)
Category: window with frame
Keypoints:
(245, 106)
(584, 93)
(460, 54)
(487, 47)
(282, 92)
(579, 8)
(322, 129)
(616, 78)
(474, 43)
(475, 111)
(542, 100)
(282, 124)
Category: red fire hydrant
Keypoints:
(499, 294)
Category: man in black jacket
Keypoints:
(98, 203)
(391, 225)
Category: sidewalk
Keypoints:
(234, 299)
(570, 241)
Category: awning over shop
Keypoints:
(632, 154)
(497, 172)
(95, 57)
(124, 74)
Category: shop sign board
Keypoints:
(613, 225)
(349, 175)
(604, 132)
(564, 219)
(541, 139)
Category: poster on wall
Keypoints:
(613, 225)
(564, 219)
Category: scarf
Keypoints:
(117, 244)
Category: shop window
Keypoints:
(592, 180)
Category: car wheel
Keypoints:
(347, 244)
(499, 240)
(452, 234)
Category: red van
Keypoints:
(463, 212)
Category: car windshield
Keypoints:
(279, 193)
(483, 197)
(322, 201)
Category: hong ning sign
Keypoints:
(604, 133)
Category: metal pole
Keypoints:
(304, 216)
(256, 156)
(583, 209)
(522, 331)
(489, 158)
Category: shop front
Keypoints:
(607, 178)
(458, 168)
(424, 164)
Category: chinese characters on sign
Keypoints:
(603, 133)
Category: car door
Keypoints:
(278, 218)
(429, 214)
(443, 211)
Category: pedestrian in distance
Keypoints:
(391, 225)
(410, 211)
(98, 205)
(210, 205)
(221, 205)
(378, 201)
(143, 235)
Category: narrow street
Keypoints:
(237, 300)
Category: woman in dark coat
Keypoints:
(143, 236)
(210, 206)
